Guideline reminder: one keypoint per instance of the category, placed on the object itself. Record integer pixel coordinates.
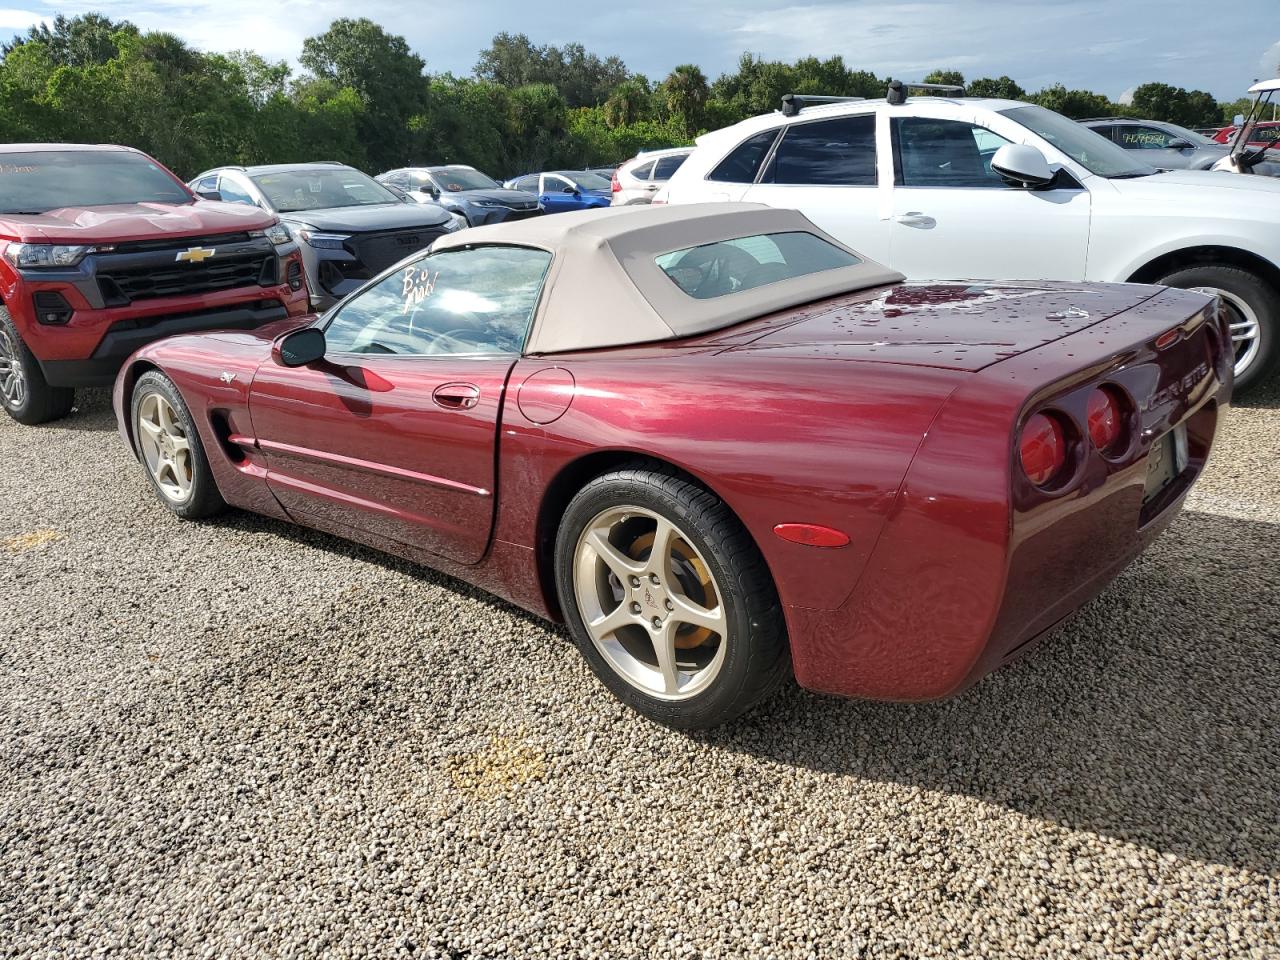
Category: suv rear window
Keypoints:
(730, 266)
(44, 180)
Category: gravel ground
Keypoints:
(239, 739)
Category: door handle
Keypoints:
(651, 186)
(914, 218)
(456, 396)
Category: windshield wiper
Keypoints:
(1134, 175)
(24, 213)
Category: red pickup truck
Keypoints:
(103, 250)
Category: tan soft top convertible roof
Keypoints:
(604, 288)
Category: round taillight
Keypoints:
(1106, 419)
(1043, 448)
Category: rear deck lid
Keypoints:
(959, 326)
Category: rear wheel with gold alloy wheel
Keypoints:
(169, 447)
(669, 599)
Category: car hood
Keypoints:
(1174, 184)
(134, 221)
(960, 325)
(363, 219)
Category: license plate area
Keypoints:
(1166, 461)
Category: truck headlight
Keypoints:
(277, 233)
(29, 255)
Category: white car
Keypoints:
(954, 187)
(637, 180)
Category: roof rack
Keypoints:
(897, 94)
(793, 103)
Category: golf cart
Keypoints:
(1243, 158)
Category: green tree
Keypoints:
(1002, 88)
(384, 73)
(685, 91)
(951, 77)
(76, 41)
(582, 78)
(630, 102)
(1076, 104)
(1160, 101)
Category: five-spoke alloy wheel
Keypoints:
(169, 447)
(668, 598)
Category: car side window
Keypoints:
(527, 184)
(743, 162)
(552, 184)
(478, 300)
(205, 184)
(232, 192)
(1106, 130)
(667, 166)
(642, 172)
(944, 153)
(838, 152)
(1143, 138)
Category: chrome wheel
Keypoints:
(13, 379)
(650, 603)
(1246, 330)
(165, 448)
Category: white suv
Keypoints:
(943, 187)
(637, 180)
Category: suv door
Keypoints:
(394, 433)
(953, 217)
(827, 170)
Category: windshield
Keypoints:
(585, 181)
(46, 180)
(321, 188)
(453, 180)
(1095, 153)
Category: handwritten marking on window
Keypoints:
(417, 286)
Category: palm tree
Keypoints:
(686, 93)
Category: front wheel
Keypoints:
(24, 393)
(669, 599)
(169, 447)
(1253, 313)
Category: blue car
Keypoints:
(562, 190)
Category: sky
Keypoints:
(1108, 47)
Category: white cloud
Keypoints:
(20, 20)
(1269, 63)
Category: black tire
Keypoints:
(38, 402)
(1262, 299)
(756, 659)
(203, 500)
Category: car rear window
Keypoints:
(730, 266)
(44, 180)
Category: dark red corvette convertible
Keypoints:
(715, 441)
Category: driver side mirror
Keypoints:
(1022, 166)
(1178, 144)
(571, 190)
(208, 195)
(430, 190)
(297, 348)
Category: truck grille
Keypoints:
(121, 287)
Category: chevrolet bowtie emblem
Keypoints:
(195, 254)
